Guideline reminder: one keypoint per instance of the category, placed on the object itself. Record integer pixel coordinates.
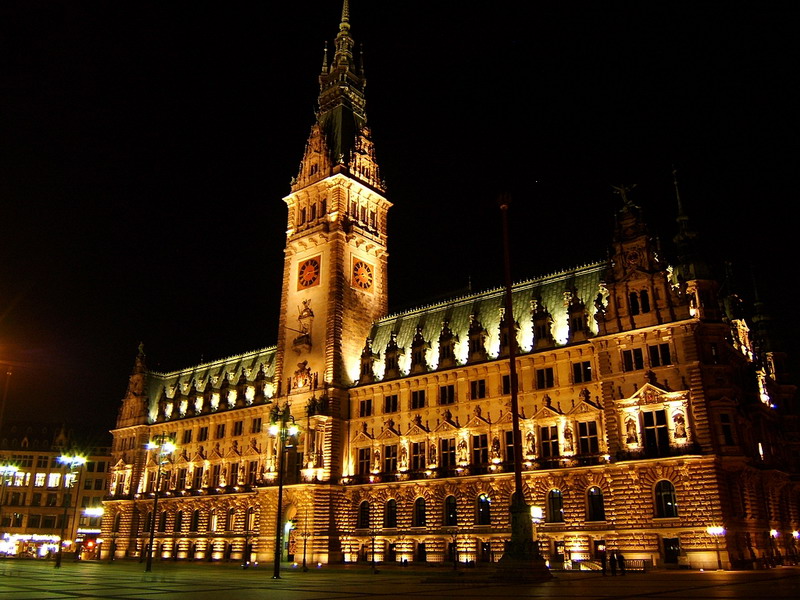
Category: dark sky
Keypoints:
(145, 148)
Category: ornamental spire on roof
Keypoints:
(340, 139)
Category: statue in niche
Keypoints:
(568, 440)
(680, 426)
(376, 460)
(530, 444)
(630, 428)
(495, 447)
(223, 477)
(403, 462)
(305, 320)
(432, 453)
(205, 477)
(463, 453)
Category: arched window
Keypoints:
(595, 510)
(194, 525)
(645, 301)
(162, 521)
(213, 520)
(419, 519)
(634, 303)
(148, 520)
(450, 512)
(666, 500)
(555, 507)
(250, 519)
(363, 515)
(390, 514)
(117, 522)
(178, 521)
(483, 515)
(230, 522)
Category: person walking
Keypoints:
(603, 561)
(613, 563)
(621, 563)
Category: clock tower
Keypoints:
(334, 279)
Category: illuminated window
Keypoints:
(365, 407)
(587, 437)
(364, 456)
(665, 500)
(38, 480)
(390, 458)
(53, 480)
(632, 360)
(581, 372)
(595, 509)
(555, 506)
(544, 378)
(417, 456)
(480, 449)
(390, 403)
(477, 389)
(447, 456)
(548, 434)
(250, 519)
(659, 355)
(447, 394)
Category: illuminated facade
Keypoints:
(649, 409)
(42, 499)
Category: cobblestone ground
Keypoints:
(168, 581)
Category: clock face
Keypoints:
(362, 275)
(308, 273)
(633, 257)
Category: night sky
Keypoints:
(145, 148)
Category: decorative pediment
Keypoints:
(547, 412)
(120, 464)
(446, 427)
(584, 406)
(507, 417)
(363, 435)
(477, 420)
(416, 427)
(388, 434)
(233, 453)
(216, 452)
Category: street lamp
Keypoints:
(163, 447)
(283, 428)
(73, 462)
(716, 531)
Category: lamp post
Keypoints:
(163, 447)
(72, 462)
(716, 531)
(283, 428)
(305, 535)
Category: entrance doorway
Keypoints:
(672, 549)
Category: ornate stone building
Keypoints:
(650, 408)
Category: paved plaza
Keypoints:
(127, 580)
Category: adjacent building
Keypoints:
(651, 407)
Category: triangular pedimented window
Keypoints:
(477, 419)
(363, 435)
(416, 427)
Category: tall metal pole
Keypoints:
(278, 518)
(149, 564)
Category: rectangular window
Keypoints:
(549, 437)
(418, 399)
(252, 472)
(35, 521)
(587, 438)
(101, 466)
(418, 456)
(632, 360)
(215, 470)
(506, 384)
(41, 462)
(659, 355)
(581, 372)
(197, 478)
(187, 436)
(364, 456)
(509, 435)
(36, 500)
(238, 428)
(390, 404)
(220, 433)
(181, 481)
(656, 432)
(727, 429)
(38, 480)
(202, 435)
(99, 484)
(477, 389)
(255, 425)
(480, 449)
(390, 458)
(365, 408)
(447, 394)
(87, 484)
(544, 378)
(53, 480)
(448, 453)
